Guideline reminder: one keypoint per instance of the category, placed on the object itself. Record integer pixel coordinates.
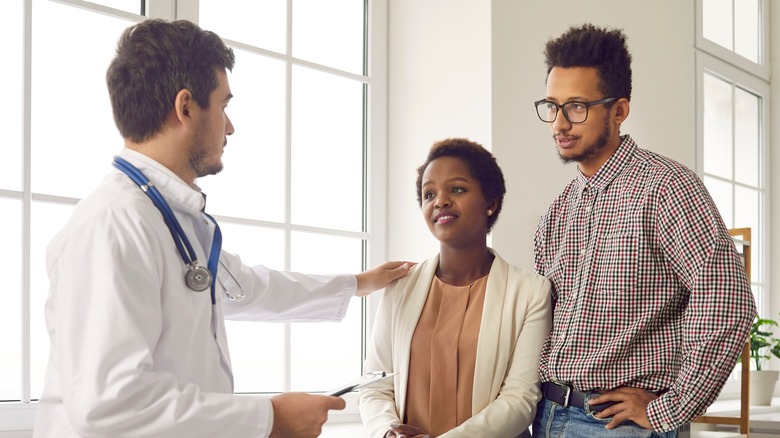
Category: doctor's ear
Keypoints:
(183, 104)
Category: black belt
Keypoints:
(566, 396)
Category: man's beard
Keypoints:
(197, 159)
(592, 149)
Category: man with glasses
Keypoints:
(651, 302)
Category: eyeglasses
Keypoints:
(575, 112)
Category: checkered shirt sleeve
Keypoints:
(648, 289)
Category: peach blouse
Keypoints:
(443, 355)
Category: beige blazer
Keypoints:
(516, 319)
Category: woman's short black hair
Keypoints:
(481, 163)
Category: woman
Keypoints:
(462, 330)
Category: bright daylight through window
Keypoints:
(735, 113)
(292, 195)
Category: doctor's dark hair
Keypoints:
(591, 46)
(481, 163)
(155, 59)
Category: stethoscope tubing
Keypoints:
(170, 220)
(187, 252)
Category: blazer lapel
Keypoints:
(491, 362)
(408, 314)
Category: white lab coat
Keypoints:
(134, 351)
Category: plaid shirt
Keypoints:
(648, 289)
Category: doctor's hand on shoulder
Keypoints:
(298, 414)
(381, 276)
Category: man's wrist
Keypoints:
(655, 415)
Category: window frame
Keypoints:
(19, 415)
(760, 69)
(706, 63)
(715, 60)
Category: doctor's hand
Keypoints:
(298, 414)
(380, 276)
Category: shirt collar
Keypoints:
(174, 189)
(609, 170)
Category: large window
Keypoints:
(733, 121)
(733, 126)
(734, 163)
(300, 170)
(734, 26)
(299, 89)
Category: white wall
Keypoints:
(439, 83)
(473, 68)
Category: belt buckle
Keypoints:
(567, 397)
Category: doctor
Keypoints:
(138, 284)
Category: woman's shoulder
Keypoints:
(516, 271)
(422, 271)
(525, 274)
(522, 279)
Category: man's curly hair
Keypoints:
(591, 46)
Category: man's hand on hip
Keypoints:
(631, 405)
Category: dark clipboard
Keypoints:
(365, 380)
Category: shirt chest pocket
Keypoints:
(615, 263)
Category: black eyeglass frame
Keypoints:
(566, 114)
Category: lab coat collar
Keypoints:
(174, 189)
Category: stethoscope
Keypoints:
(197, 277)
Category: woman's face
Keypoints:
(453, 204)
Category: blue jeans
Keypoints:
(554, 421)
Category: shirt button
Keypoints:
(587, 208)
(665, 426)
(582, 251)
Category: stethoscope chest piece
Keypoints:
(197, 278)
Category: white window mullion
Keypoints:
(377, 142)
(287, 354)
(171, 9)
(26, 200)
(105, 10)
(734, 141)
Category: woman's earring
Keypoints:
(490, 212)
